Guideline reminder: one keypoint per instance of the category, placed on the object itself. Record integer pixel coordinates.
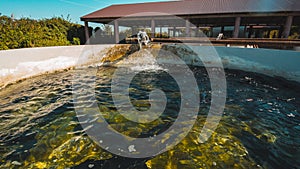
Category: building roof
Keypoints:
(195, 7)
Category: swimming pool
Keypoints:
(259, 127)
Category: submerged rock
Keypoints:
(118, 52)
(60, 147)
(76, 151)
(16, 163)
(222, 150)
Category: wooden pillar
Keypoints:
(236, 27)
(287, 27)
(86, 30)
(116, 31)
(152, 28)
(160, 31)
(187, 28)
(197, 31)
(250, 31)
(222, 29)
(245, 31)
(174, 31)
(280, 31)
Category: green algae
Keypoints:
(118, 52)
(60, 147)
(222, 150)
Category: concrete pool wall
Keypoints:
(283, 63)
(22, 63)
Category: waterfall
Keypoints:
(141, 60)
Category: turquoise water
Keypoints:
(259, 129)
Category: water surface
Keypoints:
(259, 128)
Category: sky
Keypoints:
(39, 9)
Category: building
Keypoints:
(243, 16)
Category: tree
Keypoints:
(107, 29)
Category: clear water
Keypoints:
(259, 129)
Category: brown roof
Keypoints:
(196, 7)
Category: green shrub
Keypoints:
(27, 32)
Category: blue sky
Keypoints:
(38, 9)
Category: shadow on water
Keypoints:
(266, 154)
